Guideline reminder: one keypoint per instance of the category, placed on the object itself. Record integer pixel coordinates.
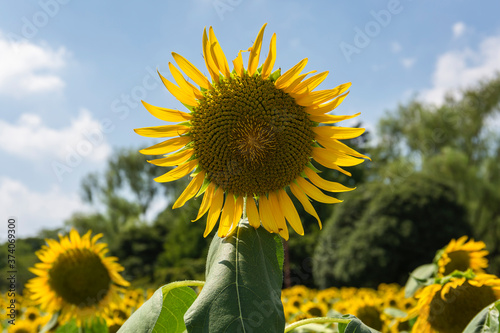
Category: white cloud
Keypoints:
(396, 47)
(458, 29)
(461, 69)
(29, 68)
(408, 62)
(36, 210)
(29, 138)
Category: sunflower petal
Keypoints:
(183, 84)
(267, 68)
(284, 80)
(252, 213)
(322, 96)
(266, 215)
(326, 107)
(179, 172)
(162, 131)
(214, 211)
(218, 54)
(238, 65)
(290, 212)
(209, 61)
(226, 219)
(315, 193)
(206, 202)
(337, 132)
(337, 158)
(304, 200)
(178, 93)
(339, 146)
(325, 184)
(326, 163)
(309, 84)
(279, 217)
(167, 146)
(174, 159)
(192, 71)
(253, 59)
(330, 119)
(167, 114)
(190, 190)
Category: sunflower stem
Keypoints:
(318, 320)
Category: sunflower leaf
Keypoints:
(354, 326)
(421, 276)
(163, 312)
(243, 288)
(486, 321)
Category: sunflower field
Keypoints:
(410, 242)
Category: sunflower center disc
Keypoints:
(80, 278)
(250, 137)
(461, 305)
(459, 260)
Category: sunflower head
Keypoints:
(449, 305)
(461, 255)
(249, 138)
(75, 277)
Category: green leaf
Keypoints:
(98, 325)
(280, 251)
(164, 311)
(485, 321)
(418, 278)
(69, 327)
(354, 326)
(243, 288)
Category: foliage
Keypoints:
(381, 233)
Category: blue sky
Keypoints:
(72, 72)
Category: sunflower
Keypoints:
(22, 326)
(75, 277)
(459, 255)
(314, 309)
(249, 136)
(449, 305)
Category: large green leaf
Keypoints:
(485, 321)
(421, 276)
(163, 312)
(243, 288)
(354, 326)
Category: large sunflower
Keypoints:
(249, 136)
(75, 277)
(461, 255)
(448, 306)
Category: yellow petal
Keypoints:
(339, 146)
(190, 190)
(290, 212)
(322, 96)
(325, 184)
(167, 114)
(183, 84)
(326, 107)
(271, 57)
(174, 159)
(279, 218)
(338, 158)
(206, 202)
(214, 211)
(284, 80)
(209, 61)
(337, 132)
(253, 59)
(315, 193)
(252, 213)
(178, 93)
(304, 200)
(296, 82)
(330, 119)
(192, 71)
(167, 146)
(162, 131)
(179, 172)
(309, 84)
(327, 163)
(266, 215)
(218, 54)
(238, 65)
(238, 209)
(226, 219)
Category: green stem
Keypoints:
(319, 320)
